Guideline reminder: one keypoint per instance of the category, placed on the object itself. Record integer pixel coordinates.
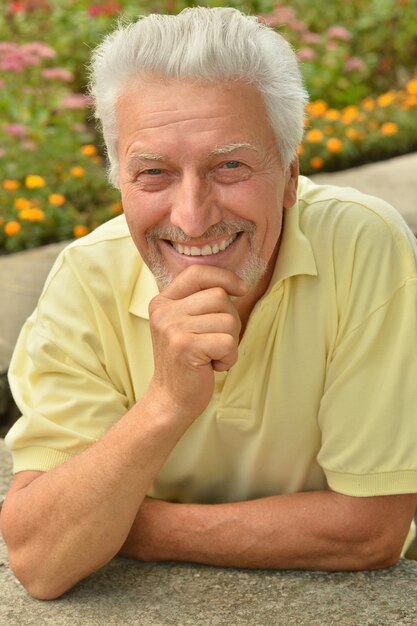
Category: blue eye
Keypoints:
(153, 172)
(232, 164)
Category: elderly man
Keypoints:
(225, 374)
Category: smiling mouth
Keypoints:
(204, 250)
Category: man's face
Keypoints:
(201, 178)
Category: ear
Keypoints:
(291, 184)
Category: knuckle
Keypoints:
(219, 296)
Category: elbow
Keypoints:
(34, 579)
(380, 553)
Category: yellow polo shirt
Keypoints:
(324, 392)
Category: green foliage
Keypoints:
(358, 61)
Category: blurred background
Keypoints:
(358, 60)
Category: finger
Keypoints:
(201, 277)
(219, 348)
(215, 323)
(213, 300)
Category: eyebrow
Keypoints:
(230, 147)
(145, 156)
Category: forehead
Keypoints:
(165, 112)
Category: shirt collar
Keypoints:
(144, 290)
(295, 257)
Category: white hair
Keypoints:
(211, 44)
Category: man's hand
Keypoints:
(195, 330)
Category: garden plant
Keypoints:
(358, 60)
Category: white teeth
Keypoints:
(205, 250)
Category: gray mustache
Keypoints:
(174, 233)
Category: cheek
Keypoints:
(143, 211)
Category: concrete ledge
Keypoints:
(22, 276)
(126, 593)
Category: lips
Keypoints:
(205, 250)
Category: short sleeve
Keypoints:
(368, 412)
(68, 374)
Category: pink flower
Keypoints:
(15, 130)
(280, 15)
(57, 73)
(14, 58)
(94, 10)
(339, 32)
(311, 38)
(297, 26)
(11, 63)
(76, 101)
(30, 146)
(40, 49)
(7, 46)
(306, 54)
(354, 64)
(2, 152)
(331, 45)
(16, 7)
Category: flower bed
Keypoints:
(358, 60)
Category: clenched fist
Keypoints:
(195, 330)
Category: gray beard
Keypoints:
(251, 271)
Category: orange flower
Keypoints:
(386, 99)
(89, 150)
(316, 163)
(56, 199)
(12, 228)
(10, 185)
(33, 181)
(389, 128)
(334, 145)
(314, 136)
(368, 104)
(80, 230)
(349, 114)
(411, 86)
(21, 204)
(332, 115)
(352, 133)
(77, 171)
(316, 108)
(32, 215)
(410, 101)
(116, 207)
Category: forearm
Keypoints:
(297, 531)
(71, 520)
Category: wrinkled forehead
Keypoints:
(217, 115)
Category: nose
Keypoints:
(194, 208)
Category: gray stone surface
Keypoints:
(127, 593)
(22, 276)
